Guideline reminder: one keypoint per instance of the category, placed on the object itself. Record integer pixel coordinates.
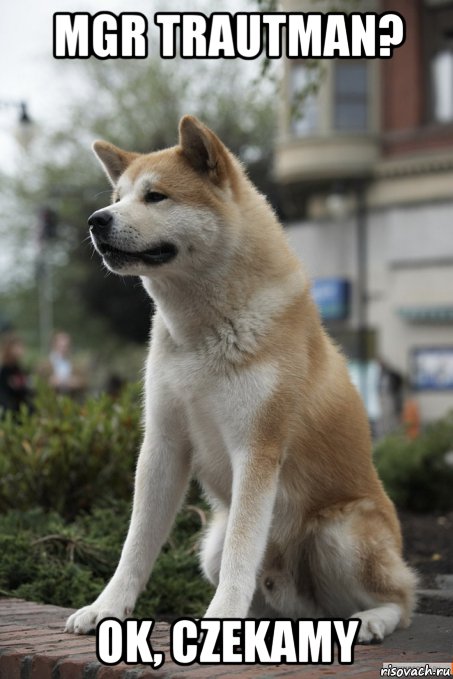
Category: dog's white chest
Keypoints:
(221, 412)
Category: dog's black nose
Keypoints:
(100, 221)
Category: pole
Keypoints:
(47, 226)
(362, 290)
(45, 293)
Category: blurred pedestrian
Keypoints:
(62, 373)
(411, 417)
(14, 380)
(115, 385)
(391, 388)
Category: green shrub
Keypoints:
(64, 456)
(46, 559)
(416, 473)
(66, 481)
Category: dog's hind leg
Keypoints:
(388, 582)
(357, 569)
(378, 622)
(212, 546)
(391, 584)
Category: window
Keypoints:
(304, 100)
(438, 46)
(350, 96)
(442, 86)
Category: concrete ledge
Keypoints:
(435, 601)
(34, 646)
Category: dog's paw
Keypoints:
(378, 623)
(86, 619)
(372, 630)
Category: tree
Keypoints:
(137, 107)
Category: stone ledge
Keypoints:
(34, 646)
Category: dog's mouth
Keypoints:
(160, 254)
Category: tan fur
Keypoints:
(286, 464)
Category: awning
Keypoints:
(427, 314)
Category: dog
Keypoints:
(245, 390)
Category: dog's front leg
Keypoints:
(162, 475)
(255, 479)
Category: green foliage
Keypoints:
(416, 473)
(46, 559)
(66, 477)
(64, 455)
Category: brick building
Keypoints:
(366, 179)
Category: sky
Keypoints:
(30, 73)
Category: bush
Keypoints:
(65, 456)
(416, 473)
(45, 559)
(66, 481)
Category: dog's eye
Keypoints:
(154, 197)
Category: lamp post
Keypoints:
(24, 130)
(46, 234)
(21, 106)
(337, 209)
(362, 289)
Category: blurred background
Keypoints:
(50, 113)
(366, 179)
(356, 156)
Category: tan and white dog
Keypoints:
(245, 390)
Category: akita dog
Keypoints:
(245, 390)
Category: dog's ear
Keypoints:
(113, 160)
(203, 149)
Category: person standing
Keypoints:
(391, 386)
(14, 380)
(63, 375)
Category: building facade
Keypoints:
(365, 169)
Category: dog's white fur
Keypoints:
(245, 390)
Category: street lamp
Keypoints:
(24, 131)
(362, 286)
(24, 117)
(46, 231)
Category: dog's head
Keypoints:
(171, 208)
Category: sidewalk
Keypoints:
(34, 646)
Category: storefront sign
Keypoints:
(332, 295)
(432, 368)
